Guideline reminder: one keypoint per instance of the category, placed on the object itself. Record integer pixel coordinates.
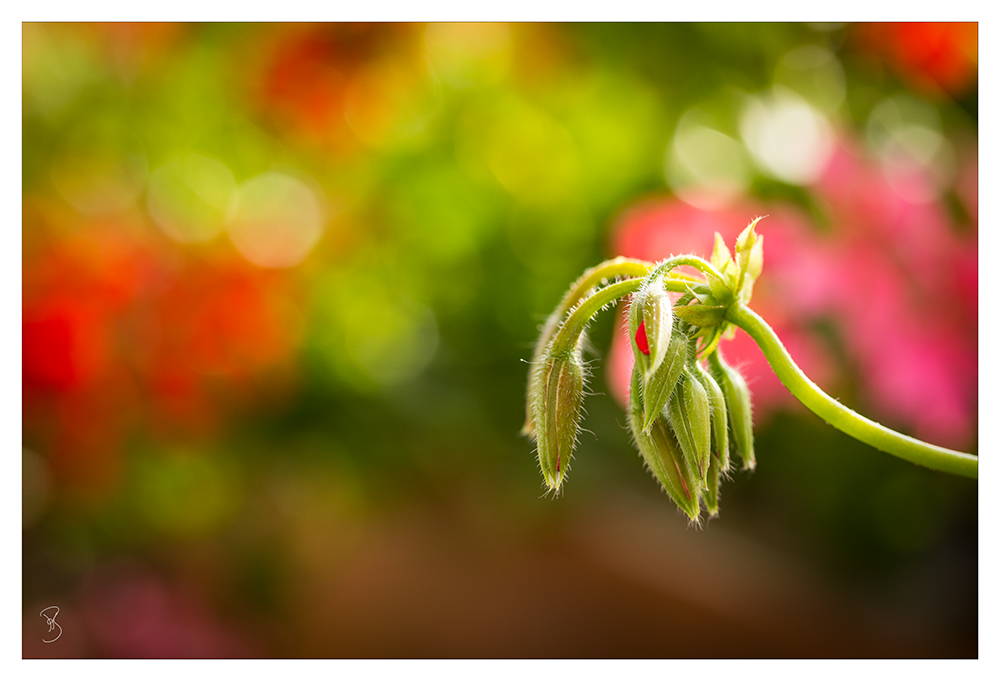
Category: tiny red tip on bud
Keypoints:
(640, 338)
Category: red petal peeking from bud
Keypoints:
(640, 338)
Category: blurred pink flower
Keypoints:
(898, 279)
(907, 304)
(130, 613)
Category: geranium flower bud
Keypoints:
(657, 389)
(650, 322)
(556, 398)
(737, 396)
(689, 415)
(662, 455)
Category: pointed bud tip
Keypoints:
(647, 423)
(553, 482)
(649, 416)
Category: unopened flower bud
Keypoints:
(689, 415)
(556, 398)
(662, 455)
(737, 397)
(650, 322)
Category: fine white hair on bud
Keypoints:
(556, 400)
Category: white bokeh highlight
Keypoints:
(275, 220)
(915, 157)
(788, 138)
(705, 167)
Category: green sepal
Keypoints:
(662, 455)
(701, 315)
(755, 264)
(723, 261)
(720, 291)
(744, 246)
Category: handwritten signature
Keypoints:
(51, 621)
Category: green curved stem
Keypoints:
(566, 338)
(578, 319)
(621, 267)
(689, 260)
(609, 269)
(839, 416)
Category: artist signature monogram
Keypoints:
(51, 621)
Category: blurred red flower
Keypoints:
(932, 57)
(119, 332)
(307, 72)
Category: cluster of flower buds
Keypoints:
(682, 415)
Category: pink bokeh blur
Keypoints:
(897, 280)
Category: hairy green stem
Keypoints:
(839, 416)
(609, 269)
(690, 261)
(593, 277)
(577, 321)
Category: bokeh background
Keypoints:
(280, 283)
